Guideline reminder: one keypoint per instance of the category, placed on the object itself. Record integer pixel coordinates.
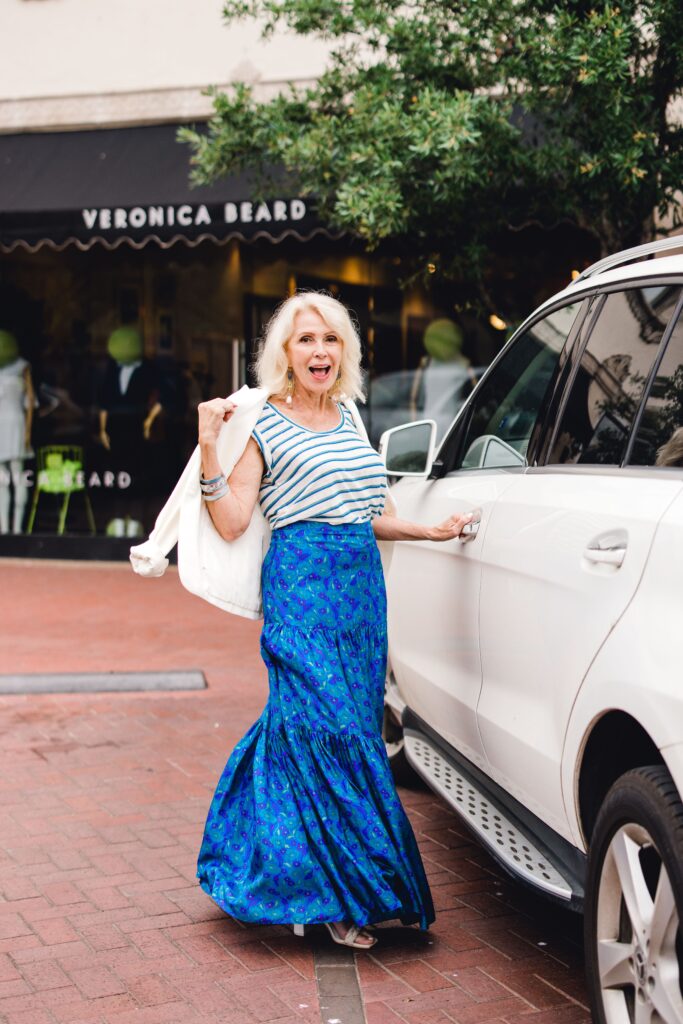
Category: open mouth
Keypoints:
(320, 372)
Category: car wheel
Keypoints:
(634, 896)
(394, 744)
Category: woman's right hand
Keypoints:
(212, 415)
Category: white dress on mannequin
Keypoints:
(13, 450)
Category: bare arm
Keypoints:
(232, 513)
(104, 436)
(390, 527)
(149, 420)
(30, 402)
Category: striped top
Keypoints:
(329, 476)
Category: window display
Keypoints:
(105, 355)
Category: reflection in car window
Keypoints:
(659, 435)
(609, 382)
(432, 390)
(507, 403)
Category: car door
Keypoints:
(434, 587)
(565, 548)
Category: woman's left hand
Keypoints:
(450, 528)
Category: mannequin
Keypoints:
(17, 399)
(129, 404)
(442, 384)
(127, 390)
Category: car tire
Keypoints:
(394, 744)
(634, 902)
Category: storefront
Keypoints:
(126, 298)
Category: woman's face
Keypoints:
(314, 351)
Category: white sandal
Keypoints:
(352, 935)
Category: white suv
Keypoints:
(536, 668)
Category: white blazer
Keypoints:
(225, 573)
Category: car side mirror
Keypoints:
(408, 450)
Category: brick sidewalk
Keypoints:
(104, 799)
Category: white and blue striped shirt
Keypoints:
(329, 476)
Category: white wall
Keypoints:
(74, 63)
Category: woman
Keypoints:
(306, 826)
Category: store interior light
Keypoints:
(496, 322)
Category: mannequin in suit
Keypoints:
(128, 399)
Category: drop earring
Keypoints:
(290, 386)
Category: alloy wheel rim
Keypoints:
(638, 933)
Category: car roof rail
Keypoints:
(638, 252)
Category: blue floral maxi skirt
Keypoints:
(305, 825)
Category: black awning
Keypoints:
(129, 186)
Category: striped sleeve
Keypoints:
(265, 449)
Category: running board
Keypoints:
(502, 837)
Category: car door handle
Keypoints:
(605, 556)
(471, 529)
(607, 549)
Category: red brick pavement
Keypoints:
(103, 800)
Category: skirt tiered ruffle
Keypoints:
(305, 825)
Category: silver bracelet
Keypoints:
(217, 494)
(211, 486)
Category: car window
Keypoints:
(608, 385)
(507, 402)
(658, 438)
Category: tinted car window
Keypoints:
(613, 369)
(658, 439)
(507, 402)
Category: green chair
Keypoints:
(59, 470)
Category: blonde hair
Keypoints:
(671, 453)
(271, 364)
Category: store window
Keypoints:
(420, 360)
(104, 357)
